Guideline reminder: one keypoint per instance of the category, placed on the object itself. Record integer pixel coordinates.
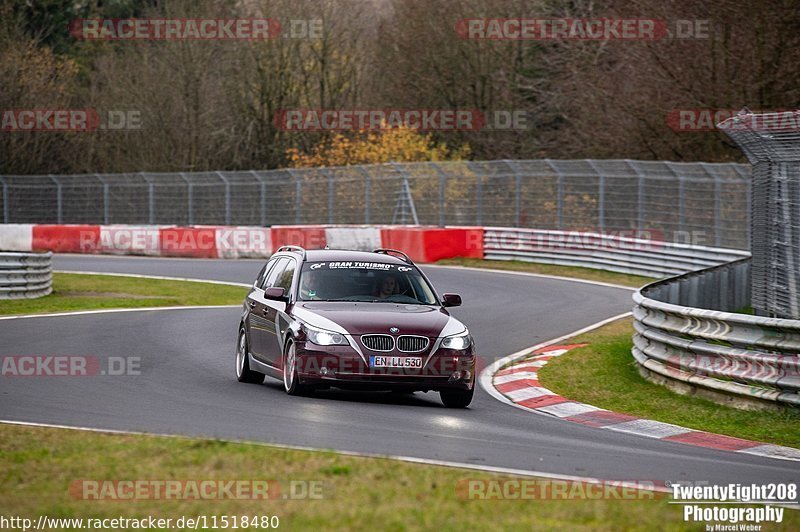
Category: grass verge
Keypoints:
(38, 466)
(589, 274)
(604, 375)
(74, 291)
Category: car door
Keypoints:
(276, 312)
(262, 328)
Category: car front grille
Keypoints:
(378, 342)
(412, 344)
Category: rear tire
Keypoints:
(243, 371)
(291, 381)
(456, 398)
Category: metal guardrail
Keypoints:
(25, 275)
(606, 251)
(736, 356)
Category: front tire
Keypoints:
(291, 380)
(243, 371)
(456, 398)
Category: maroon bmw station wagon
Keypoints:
(353, 319)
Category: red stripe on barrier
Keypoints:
(429, 244)
(715, 441)
(309, 237)
(188, 242)
(66, 238)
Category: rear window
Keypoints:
(364, 281)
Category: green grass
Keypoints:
(589, 274)
(73, 292)
(604, 375)
(38, 465)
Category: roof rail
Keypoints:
(296, 249)
(387, 251)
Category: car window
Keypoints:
(364, 281)
(263, 273)
(273, 274)
(285, 279)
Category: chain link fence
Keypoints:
(775, 156)
(695, 203)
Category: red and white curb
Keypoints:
(518, 384)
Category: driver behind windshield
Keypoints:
(386, 286)
(310, 286)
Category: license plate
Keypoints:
(395, 362)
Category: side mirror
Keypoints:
(276, 293)
(451, 300)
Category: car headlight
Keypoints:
(458, 342)
(323, 337)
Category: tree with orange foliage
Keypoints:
(390, 145)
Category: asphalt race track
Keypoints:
(188, 386)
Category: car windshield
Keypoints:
(364, 281)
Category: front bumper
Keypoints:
(343, 367)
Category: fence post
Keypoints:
(367, 193)
(190, 199)
(227, 198)
(105, 198)
(331, 190)
(442, 190)
(151, 200)
(559, 195)
(517, 191)
(639, 195)
(601, 196)
(298, 189)
(59, 200)
(5, 200)
(262, 198)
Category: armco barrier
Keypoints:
(25, 275)
(748, 361)
(651, 257)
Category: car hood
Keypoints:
(358, 318)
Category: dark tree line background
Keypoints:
(208, 105)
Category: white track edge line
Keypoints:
(112, 311)
(410, 459)
(159, 277)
